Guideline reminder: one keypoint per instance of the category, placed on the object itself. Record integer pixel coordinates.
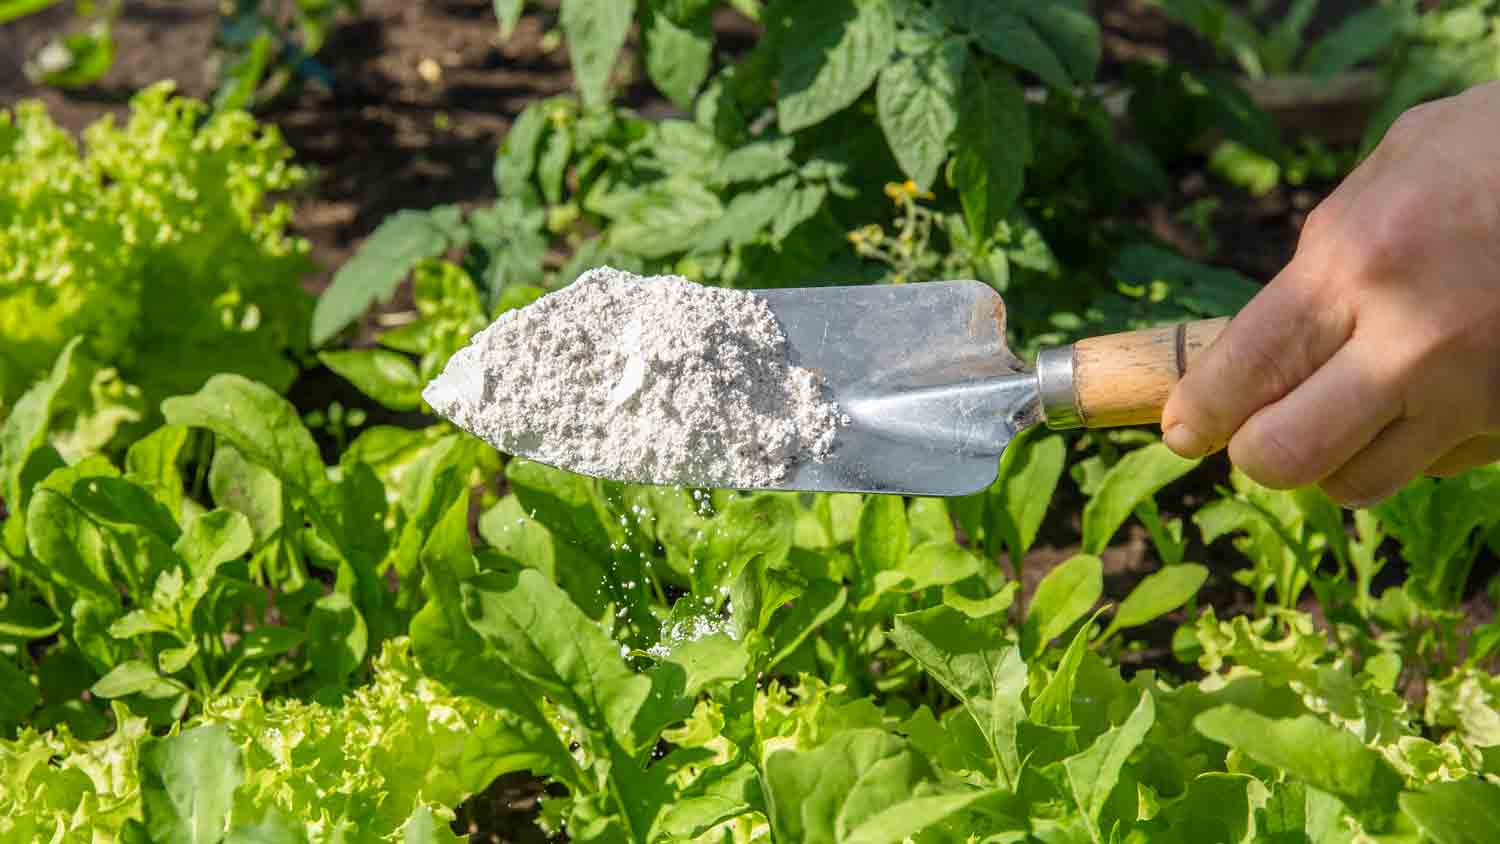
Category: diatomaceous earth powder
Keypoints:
(653, 380)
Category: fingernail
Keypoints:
(1186, 442)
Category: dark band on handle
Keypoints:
(1181, 350)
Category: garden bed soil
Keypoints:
(392, 135)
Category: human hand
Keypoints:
(1374, 356)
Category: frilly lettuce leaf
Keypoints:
(160, 241)
(392, 759)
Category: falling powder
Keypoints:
(653, 380)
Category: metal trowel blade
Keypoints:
(932, 390)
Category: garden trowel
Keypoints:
(934, 394)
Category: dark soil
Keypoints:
(389, 137)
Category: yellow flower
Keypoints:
(865, 234)
(906, 191)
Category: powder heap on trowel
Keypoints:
(653, 380)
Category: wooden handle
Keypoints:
(1124, 379)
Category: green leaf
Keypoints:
(119, 505)
(1362, 35)
(214, 538)
(803, 205)
(139, 622)
(1158, 594)
(1137, 476)
(754, 162)
(269, 641)
(12, 9)
(917, 101)
(757, 527)
(385, 376)
(1243, 167)
(976, 599)
(248, 489)
(1064, 596)
(25, 618)
(1058, 41)
(1054, 706)
(17, 694)
(935, 563)
(1093, 773)
(815, 607)
(188, 783)
(272, 828)
(972, 660)
(1201, 289)
(678, 54)
(551, 173)
(993, 147)
(1217, 808)
(898, 823)
(748, 216)
(337, 638)
(1018, 501)
(806, 791)
(384, 258)
(132, 677)
(26, 425)
(562, 501)
(1308, 748)
(708, 660)
(152, 462)
(508, 13)
(595, 31)
(516, 162)
(262, 425)
(716, 798)
(70, 547)
(423, 828)
(881, 542)
(662, 217)
(173, 660)
(1464, 811)
(840, 511)
(830, 53)
(929, 521)
(524, 739)
(544, 638)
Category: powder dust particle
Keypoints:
(643, 379)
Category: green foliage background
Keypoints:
(219, 624)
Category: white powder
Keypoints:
(652, 380)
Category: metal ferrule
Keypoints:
(1054, 380)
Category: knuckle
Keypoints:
(1412, 123)
(1393, 239)
(1317, 227)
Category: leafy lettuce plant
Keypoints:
(1299, 540)
(221, 558)
(161, 241)
(388, 763)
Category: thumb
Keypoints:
(1284, 335)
